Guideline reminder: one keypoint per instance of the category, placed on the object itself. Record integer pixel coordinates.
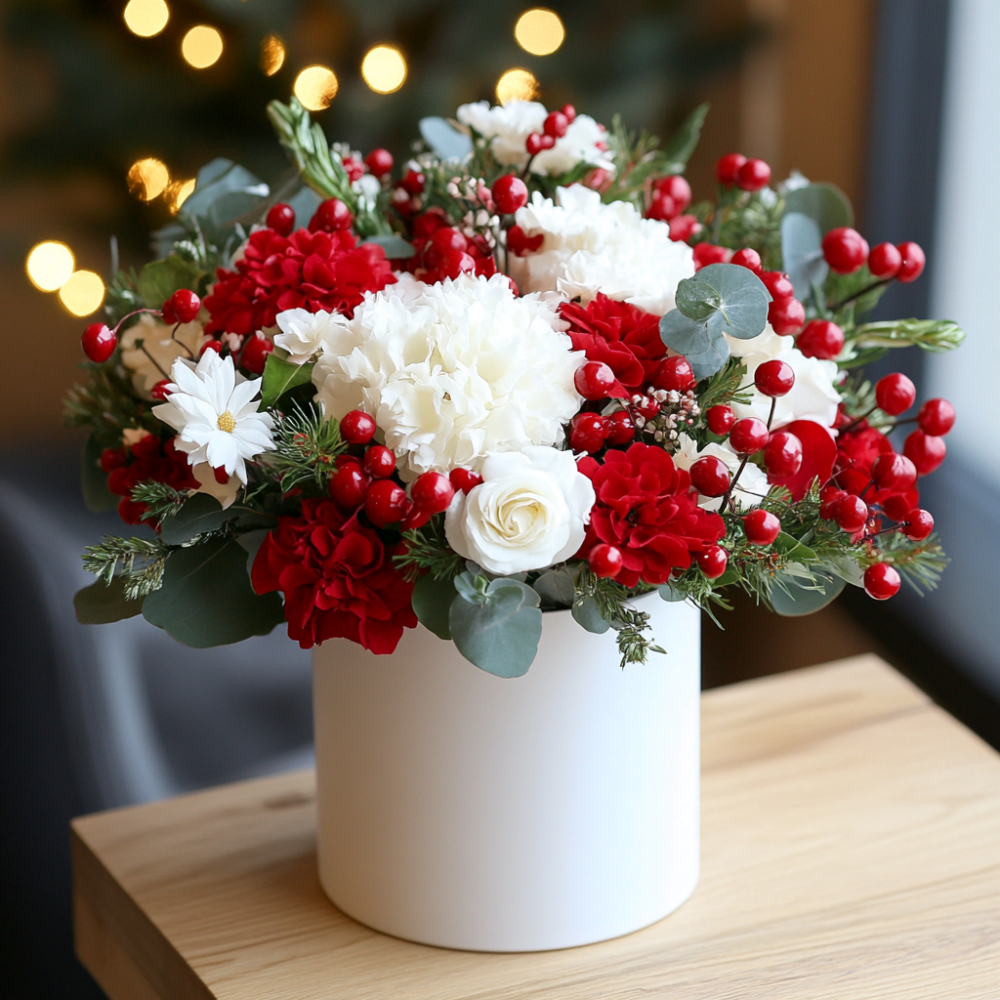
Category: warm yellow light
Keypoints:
(202, 46)
(177, 193)
(146, 18)
(83, 293)
(539, 31)
(148, 178)
(316, 87)
(384, 69)
(49, 265)
(272, 54)
(516, 85)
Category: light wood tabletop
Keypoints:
(850, 849)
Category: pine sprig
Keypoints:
(427, 551)
(612, 605)
(919, 563)
(139, 560)
(723, 386)
(107, 405)
(162, 499)
(307, 445)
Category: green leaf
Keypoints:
(846, 567)
(432, 600)
(250, 542)
(223, 191)
(792, 549)
(395, 247)
(447, 142)
(93, 480)
(281, 375)
(792, 600)
(706, 352)
(499, 635)
(825, 204)
(683, 142)
(697, 299)
(669, 594)
(556, 588)
(161, 278)
(200, 513)
(587, 614)
(206, 598)
(742, 311)
(802, 253)
(100, 603)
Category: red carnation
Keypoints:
(625, 338)
(644, 509)
(149, 459)
(320, 272)
(338, 579)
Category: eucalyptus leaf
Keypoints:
(555, 587)
(742, 311)
(250, 542)
(825, 204)
(216, 180)
(93, 480)
(395, 247)
(199, 514)
(697, 299)
(587, 614)
(446, 141)
(670, 595)
(792, 600)
(432, 600)
(100, 604)
(280, 375)
(846, 568)
(472, 586)
(499, 635)
(159, 279)
(802, 253)
(792, 549)
(706, 352)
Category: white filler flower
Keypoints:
(751, 487)
(213, 410)
(529, 512)
(465, 370)
(302, 333)
(591, 247)
(158, 351)
(509, 125)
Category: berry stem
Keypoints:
(732, 483)
(770, 416)
(857, 420)
(155, 364)
(173, 337)
(130, 315)
(837, 306)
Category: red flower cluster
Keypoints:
(321, 271)
(149, 458)
(444, 252)
(625, 338)
(644, 509)
(338, 579)
(856, 451)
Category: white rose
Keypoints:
(751, 487)
(302, 333)
(529, 512)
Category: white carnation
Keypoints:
(466, 370)
(529, 512)
(751, 487)
(592, 247)
(303, 333)
(149, 349)
(509, 125)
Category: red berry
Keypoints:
(894, 473)
(830, 497)
(884, 261)
(357, 427)
(412, 182)
(569, 111)
(588, 432)
(727, 168)
(349, 485)
(379, 461)
(159, 391)
(774, 378)
(897, 506)
(112, 458)
(845, 250)
(850, 513)
(748, 435)
(674, 374)
(99, 342)
(676, 187)
(464, 480)
(881, 581)
(820, 339)
(662, 208)
(783, 454)
(786, 316)
(538, 141)
(432, 492)
(621, 428)
(341, 460)
(386, 503)
(210, 345)
(913, 262)
(753, 175)
(253, 357)
(710, 476)
(895, 394)
(778, 284)
(925, 451)
(936, 417)
(556, 124)
(708, 253)
(510, 193)
(594, 380)
(720, 419)
(379, 162)
(918, 525)
(448, 238)
(185, 305)
(281, 218)
(749, 259)
(761, 527)
(683, 227)
(605, 561)
(331, 216)
(712, 562)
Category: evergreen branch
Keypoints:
(162, 499)
(427, 551)
(628, 622)
(107, 405)
(936, 336)
(141, 563)
(723, 386)
(919, 563)
(307, 445)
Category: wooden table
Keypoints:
(851, 849)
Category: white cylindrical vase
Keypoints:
(469, 811)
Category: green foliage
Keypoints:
(792, 598)
(162, 499)
(102, 603)
(724, 385)
(825, 204)
(307, 445)
(427, 551)
(920, 564)
(742, 219)
(432, 601)
(933, 335)
(280, 376)
(107, 405)
(556, 588)
(446, 142)
(137, 562)
(122, 296)
(199, 515)
(802, 253)
(161, 278)
(610, 602)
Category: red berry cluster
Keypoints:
(670, 196)
(149, 458)
(734, 169)
(555, 127)
(406, 192)
(442, 251)
(846, 250)
(99, 341)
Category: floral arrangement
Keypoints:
(524, 373)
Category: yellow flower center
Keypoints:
(227, 422)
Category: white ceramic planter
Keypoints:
(555, 809)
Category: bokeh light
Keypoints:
(82, 293)
(272, 54)
(316, 87)
(517, 85)
(384, 69)
(146, 18)
(148, 178)
(49, 265)
(202, 46)
(177, 193)
(539, 31)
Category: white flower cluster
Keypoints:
(592, 247)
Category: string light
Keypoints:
(177, 193)
(148, 178)
(384, 69)
(49, 265)
(539, 31)
(272, 54)
(517, 85)
(202, 46)
(146, 18)
(316, 87)
(82, 293)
